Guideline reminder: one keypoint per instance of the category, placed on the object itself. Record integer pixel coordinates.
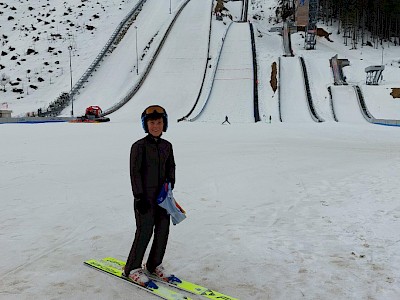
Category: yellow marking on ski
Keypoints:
(114, 260)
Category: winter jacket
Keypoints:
(151, 164)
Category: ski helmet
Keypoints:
(154, 112)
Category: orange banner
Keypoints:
(302, 12)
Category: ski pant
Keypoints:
(157, 219)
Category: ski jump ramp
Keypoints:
(232, 89)
(293, 98)
(345, 104)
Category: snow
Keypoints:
(346, 106)
(233, 81)
(292, 210)
(293, 94)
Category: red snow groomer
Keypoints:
(93, 111)
(93, 115)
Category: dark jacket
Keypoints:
(151, 164)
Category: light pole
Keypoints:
(382, 54)
(169, 6)
(70, 75)
(137, 57)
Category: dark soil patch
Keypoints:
(395, 93)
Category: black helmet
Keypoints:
(154, 112)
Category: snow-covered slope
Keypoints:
(34, 45)
(319, 72)
(232, 91)
(293, 97)
(345, 105)
(176, 76)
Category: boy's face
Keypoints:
(155, 127)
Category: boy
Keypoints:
(151, 164)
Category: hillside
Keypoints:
(34, 45)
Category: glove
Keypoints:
(172, 182)
(141, 205)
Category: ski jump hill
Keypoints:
(297, 102)
(228, 57)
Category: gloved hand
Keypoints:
(141, 205)
(172, 182)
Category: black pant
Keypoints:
(158, 219)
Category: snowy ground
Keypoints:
(293, 210)
(274, 211)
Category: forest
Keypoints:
(363, 22)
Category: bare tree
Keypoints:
(357, 17)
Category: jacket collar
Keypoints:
(153, 139)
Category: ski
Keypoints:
(184, 285)
(160, 291)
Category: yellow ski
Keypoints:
(184, 285)
(160, 291)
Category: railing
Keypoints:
(137, 86)
(213, 74)
(363, 107)
(387, 122)
(255, 77)
(114, 39)
(331, 103)
(205, 69)
(56, 107)
(35, 120)
(366, 113)
(245, 8)
(279, 90)
(256, 107)
(364, 110)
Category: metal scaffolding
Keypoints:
(311, 28)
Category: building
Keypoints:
(5, 113)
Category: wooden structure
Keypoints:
(5, 113)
